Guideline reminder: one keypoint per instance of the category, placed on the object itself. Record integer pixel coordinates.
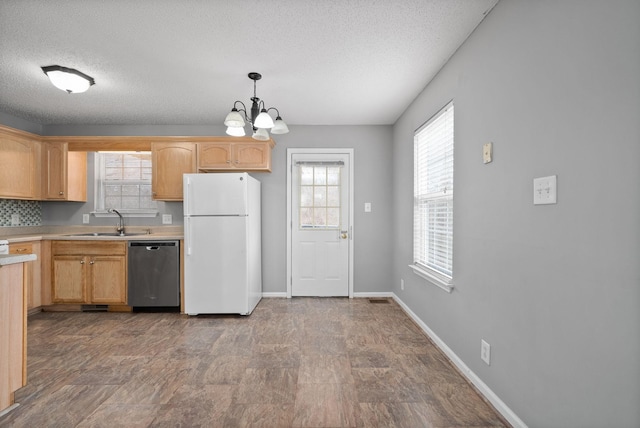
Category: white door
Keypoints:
(320, 235)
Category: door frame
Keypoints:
(295, 151)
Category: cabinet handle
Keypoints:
(81, 262)
(21, 250)
(237, 161)
(228, 161)
(61, 193)
(91, 262)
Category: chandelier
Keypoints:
(260, 119)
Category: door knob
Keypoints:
(343, 234)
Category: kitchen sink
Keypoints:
(107, 234)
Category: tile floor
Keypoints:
(302, 362)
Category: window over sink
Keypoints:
(123, 182)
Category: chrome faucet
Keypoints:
(120, 228)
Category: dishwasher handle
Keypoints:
(153, 246)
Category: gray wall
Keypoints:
(373, 178)
(70, 213)
(554, 289)
(18, 123)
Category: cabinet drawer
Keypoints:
(21, 248)
(87, 248)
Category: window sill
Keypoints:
(434, 278)
(126, 213)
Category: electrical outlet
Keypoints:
(15, 219)
(401, 284)
(85, 218)
(167, 219)
(485, 352)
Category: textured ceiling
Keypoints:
(323, 62)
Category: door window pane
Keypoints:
(319, 197)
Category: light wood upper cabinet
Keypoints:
(237, 155)
(169, 161)
(252, 156)
(65, 173)
(89, 272)
(214, 155)
(19, 165)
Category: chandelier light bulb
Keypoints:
(235, 131)
(260, 134)
(234, 118)
(263, 120)
(279, 127)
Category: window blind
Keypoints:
(433, 194)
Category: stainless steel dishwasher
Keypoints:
(154, 274)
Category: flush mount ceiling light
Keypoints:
(260, 119)
(68, 79)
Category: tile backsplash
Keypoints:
(28, 212)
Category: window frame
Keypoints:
(438, 274)
(100, 208)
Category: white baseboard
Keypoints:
(278, 294)
(499, 405)
(283, 294)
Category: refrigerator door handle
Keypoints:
(187, 230)
(187, 193)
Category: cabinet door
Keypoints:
(31, 271)
(252, 156)
(19, 169)
(12, 334)
(169, 161)
(76, 176)
(65, 173)
(214, 156)
(68, 280)
(55, 167)
(108, 279)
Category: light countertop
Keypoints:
(81, 234)
(9, 259)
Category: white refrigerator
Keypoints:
(222, 233)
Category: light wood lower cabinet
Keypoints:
(89, 272)
(13, 333)
(32, 271)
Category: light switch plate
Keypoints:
(545, 190)
(367, 207)
(485, 352)
(167, 219)
(487, 152)
(85, 218)
(15, 219)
